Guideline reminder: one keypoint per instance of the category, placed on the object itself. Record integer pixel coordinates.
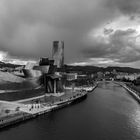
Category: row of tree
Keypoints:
(135, 82)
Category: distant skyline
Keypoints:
(95, 32)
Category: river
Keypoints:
(108, 113)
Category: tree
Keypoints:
(7, 111)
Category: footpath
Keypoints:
(22, 110)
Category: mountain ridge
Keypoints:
(9, 65)
(83, 69)
(95, 69)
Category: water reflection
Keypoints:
(135, 120)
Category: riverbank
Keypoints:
(21, 110)
(83, 88)
(28, 111)
(108, 113)
(133, 92)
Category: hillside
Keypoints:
(9, 65)
(82, 69)
(94, 69)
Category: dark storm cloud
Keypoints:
(28, 27)
(125, 6)
(121, 46)
(107, 31)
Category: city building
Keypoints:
(100, 75)
(127, 76)
(53, 83)
(71, 76)
(46, 72)
(58, 53)
(30, 72)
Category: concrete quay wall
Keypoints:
(134, 93)
(27, 116)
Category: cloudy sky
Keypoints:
(95, 32)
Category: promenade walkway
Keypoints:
(31, 107)
(38, 97)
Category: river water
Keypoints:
(108, 113)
